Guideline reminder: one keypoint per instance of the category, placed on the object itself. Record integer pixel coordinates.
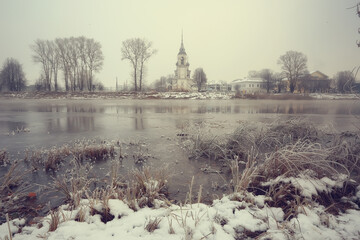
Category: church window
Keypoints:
(182, 60)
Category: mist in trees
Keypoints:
(294, 66)
(137, 51)
(199, 78)
(12, 77)
(344, 81)
(78, 58)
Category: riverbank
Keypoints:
(288, 180)
(174, 95)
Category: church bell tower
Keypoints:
(182, 72)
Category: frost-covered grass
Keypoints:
(49, 159)
(289, 180)
(4, 157)
(248, 216)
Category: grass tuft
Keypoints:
(153, 224)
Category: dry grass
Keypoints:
(12, 180)
(153, 224)
(76, 184)
(82, 150)
(290, 148)
(263, 138)
(346, 150)
(4, 157)
(242, 180)
(293, 159)
(147, 186)
(141, 154)
(54, 220)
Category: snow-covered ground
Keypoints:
(333, 96)
(236, 216)
(170, 95)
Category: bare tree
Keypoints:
(62, 50)
(137, 51)
(12, 77)
(293, 66)
(146, 51)
(41, 52)
(131, 51)
(200, 78)
(278, 81)
(79, 58)
(344, 81)
(94, 58)
(53, 59)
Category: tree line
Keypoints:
(12, 77)
(78, 58)
(295, 72)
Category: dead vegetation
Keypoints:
(83, 150)
(283, 160)
(153, 224)
(263, 138)
(75, 184)
(4, 157)
(140, 188)
(12, 189)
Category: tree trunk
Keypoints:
(135, 78)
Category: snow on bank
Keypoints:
(224, 219)
(172, 95)
(333, 96)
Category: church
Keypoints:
(182, 81)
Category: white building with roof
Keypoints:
(249, 85)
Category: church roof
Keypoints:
(182, 49)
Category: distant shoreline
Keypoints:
(175, 95)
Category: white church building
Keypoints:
(182, 81)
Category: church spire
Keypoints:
(182, 49)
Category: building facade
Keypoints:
(182, 81)
(249, 85)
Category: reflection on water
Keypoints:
(91, 116)
(71, 124)
(138, 118)
(10, 126)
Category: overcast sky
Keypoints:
(226, 38)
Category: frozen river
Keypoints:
(57, 121)
(157, 122)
